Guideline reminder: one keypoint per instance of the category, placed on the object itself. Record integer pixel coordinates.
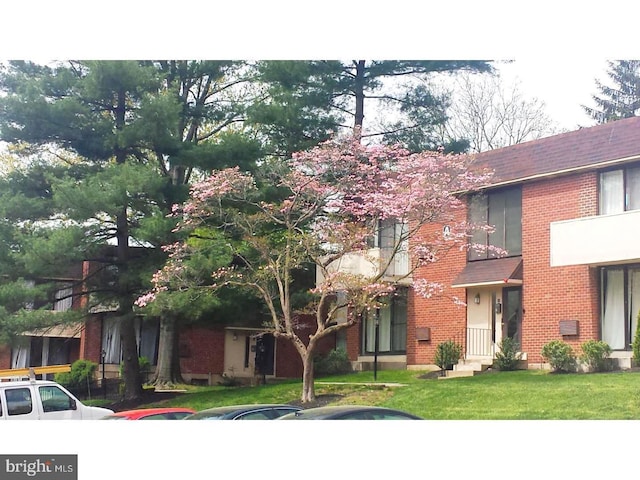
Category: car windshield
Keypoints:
(217, 414)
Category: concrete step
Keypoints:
(477, 365)
(457, 374)
(469, 366)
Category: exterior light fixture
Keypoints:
(476, 299)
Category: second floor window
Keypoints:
(619, 190)
(502, 210)
(391, 238)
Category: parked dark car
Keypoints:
(244, 412)
(349, 412)
(170, 413)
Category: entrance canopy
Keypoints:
(497, 271)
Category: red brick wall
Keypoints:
(559, 293)
(353, 341)
(445, 318)
(549, 294)
(5, 357)
(288, 361)
(91, 340)
(202, 350)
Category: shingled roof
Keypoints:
(587, 148)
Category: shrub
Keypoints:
(447, 353)
(560, 356)
(508, 356)
(595, 354)
(334, 362)
(636, 341)
(144, 365)
(80, 376)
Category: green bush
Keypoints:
(636, 341)
(595, 354)
(447, 353)
(144, 365)
(333, 363)
(80, 376)
(560, 356)
(508, 356)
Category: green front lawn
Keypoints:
(520, 395)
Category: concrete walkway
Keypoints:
(368, 384)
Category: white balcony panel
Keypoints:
(368, 264)
(599, 240)
(356, 263)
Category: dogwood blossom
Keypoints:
(333, 202)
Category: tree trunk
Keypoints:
(359, 94)
(168, 369)
(308, 386)
(132, 377)
(131, 371)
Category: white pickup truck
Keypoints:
(43, 400)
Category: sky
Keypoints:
(557, 51)
(564, 91)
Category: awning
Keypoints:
(497, 271)
(65, 331)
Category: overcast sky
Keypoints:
(563, 86)
(558, 50)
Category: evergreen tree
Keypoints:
(622, 98)
(387, 100)
(126, 122)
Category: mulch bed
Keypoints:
(320, 401)
(148, 396)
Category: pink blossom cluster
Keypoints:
(427, 289)
(336, 193)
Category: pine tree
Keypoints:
(129, 135)
(622, 100)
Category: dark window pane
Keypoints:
(399, 324)
(513, 223)
(478, 217)
(502, 212)
(611, 192)
(496, 219)
(633, 188)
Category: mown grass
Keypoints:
(519, 395)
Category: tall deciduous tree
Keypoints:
(621, 97)
(490, 114)
(332, 199)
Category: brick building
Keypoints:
(567, 210)
(207, 353)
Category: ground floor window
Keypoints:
(147, 335)
(620, 292)
(392, 327)
(36, 351)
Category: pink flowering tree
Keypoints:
(331, 201)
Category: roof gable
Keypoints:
(590, 147)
